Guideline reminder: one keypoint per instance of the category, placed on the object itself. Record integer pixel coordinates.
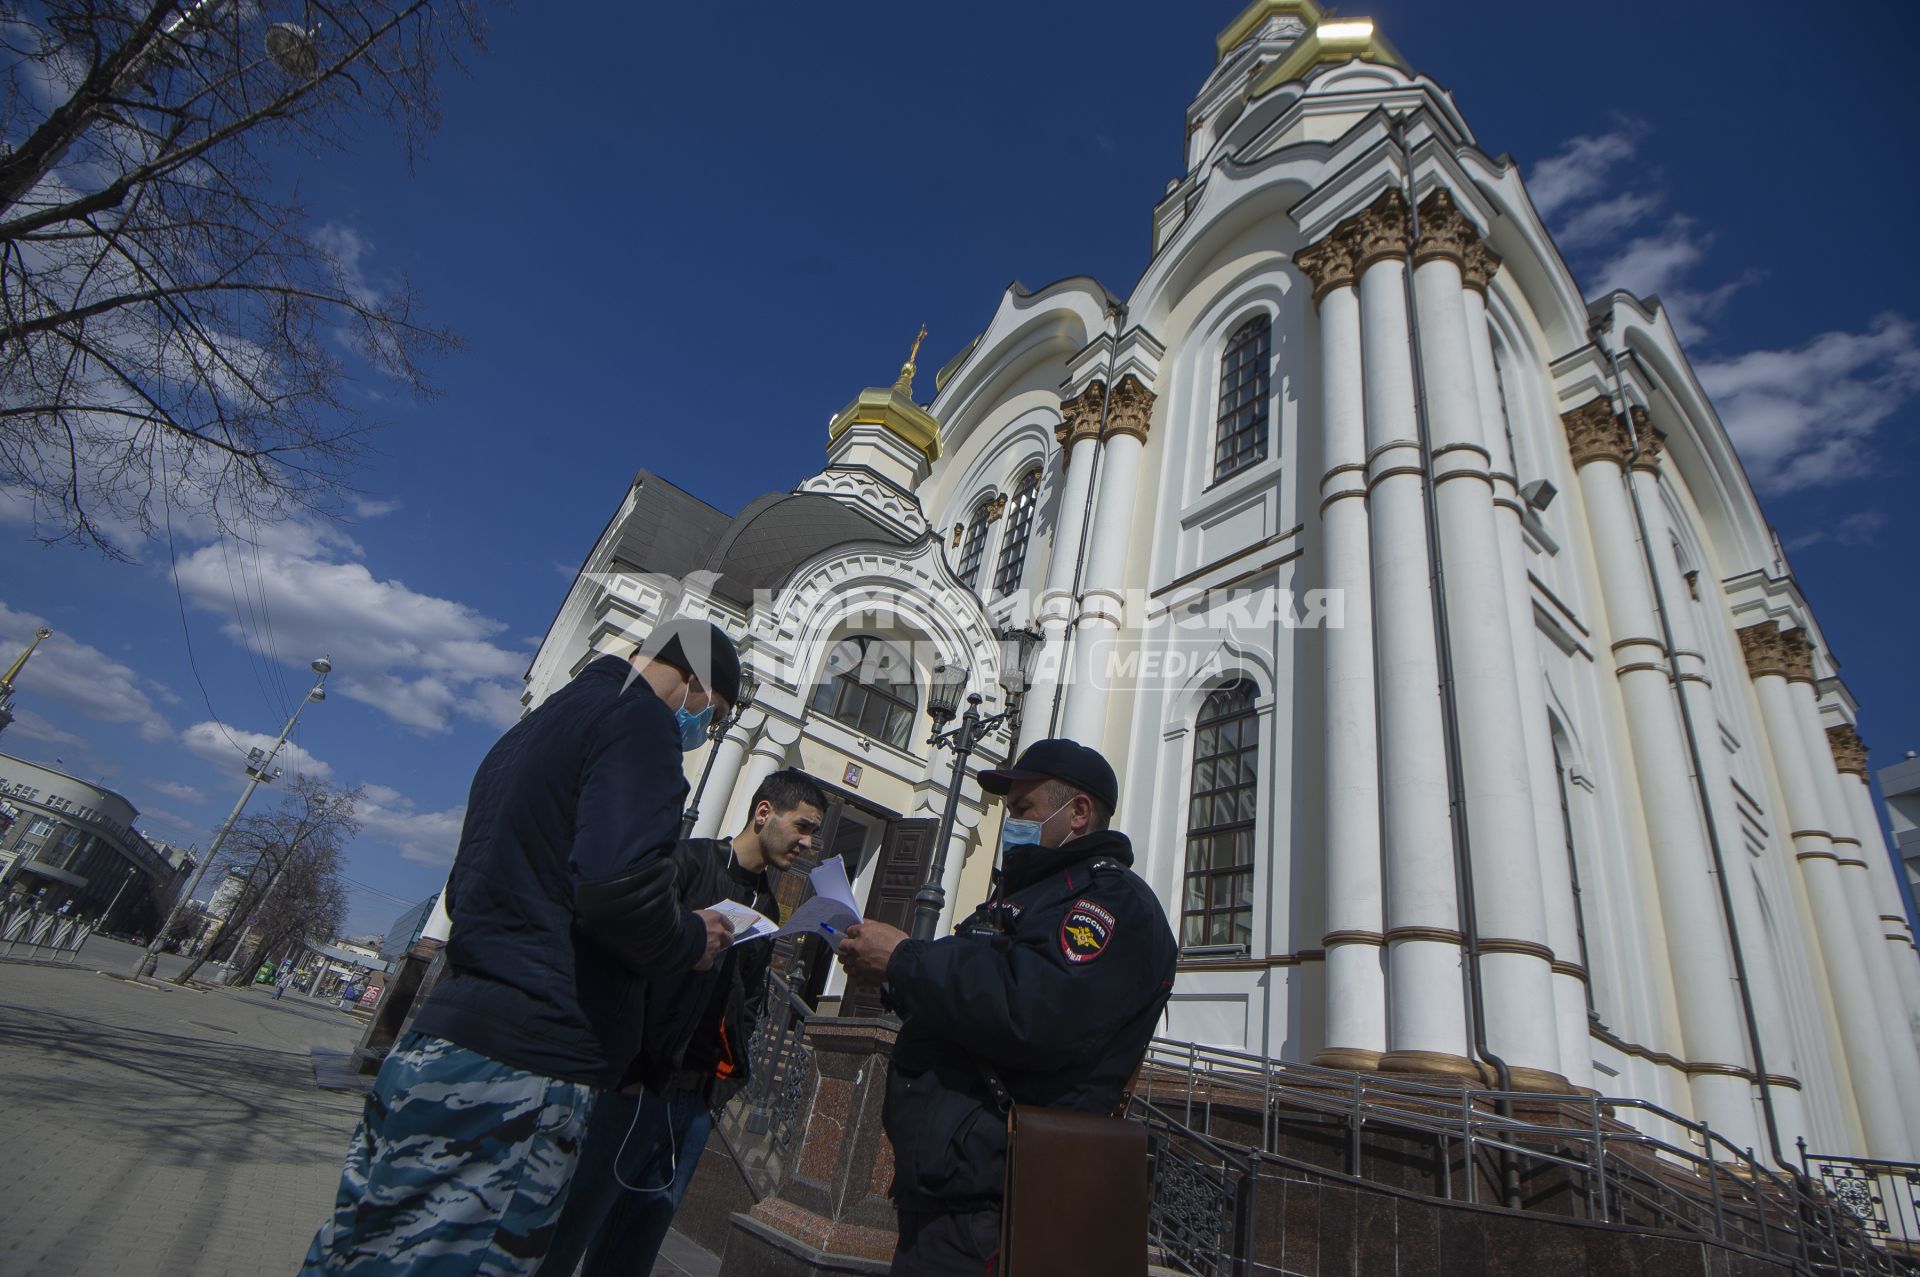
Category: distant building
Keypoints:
(406, 929)
(1900, 785)
(226, 893)
(72, 843)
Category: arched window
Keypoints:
(973, 546)
(1218, 904)
(1240, 437)
(1013, 542)
(868, 685)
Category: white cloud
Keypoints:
(1862, 527)
(419, 658)
(31, 726)
(365, 507)
(227, 749)
(1581, 169)
(1604, 221)
(185, 793)
(1657, 265)
(81, 676)
(424, 837)
(1807, 415)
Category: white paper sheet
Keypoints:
(831, 909)
(748, 923)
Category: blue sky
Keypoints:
(680, 237)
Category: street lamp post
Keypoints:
(749, 688)
(949, 681)
(259, 769)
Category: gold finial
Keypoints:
(39, 636)
(905, 384)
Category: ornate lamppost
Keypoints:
(1018, 646)
(716, 731)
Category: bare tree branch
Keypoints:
(172, 326)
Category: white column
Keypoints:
(1712, 1034)
(1873, 849)
(1356, 994)
(1692, 676)
(766, 755)
(730, 752)
(1516, 963)
(1426, 1007)
(1883, 987)
(1570, 975)
(1080, 445)
(1102, 595)
(1863, 1043)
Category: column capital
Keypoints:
(1381, 232)
(1481, 266)
(1445, 232)
(1132, 408)
(1651, 444)
(1080, 415)
(1849, 751)
(1331, 263)
(1799, 655)
(1595, 433)
(1762, 646)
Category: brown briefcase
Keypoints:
(1076, 1195)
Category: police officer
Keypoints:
(1051, 989)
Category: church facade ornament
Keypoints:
(1849, 751)
(1765, 652)
(1132, 409)
(1798, 650)
(1595, 433)
(1445, 232)
(1382, 231)
(1080, 416)
(1330, 263)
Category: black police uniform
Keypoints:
(1056, 984)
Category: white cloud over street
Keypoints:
(73, 672)
(425, 837)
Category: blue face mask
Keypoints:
(693, 727)
(1021, 833)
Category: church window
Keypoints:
(1240, 436)
(973, 546)
(868, 685)
(1218, 904)
(1013, 542)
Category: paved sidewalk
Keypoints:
(165, 1131)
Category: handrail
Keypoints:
(1715, 1189)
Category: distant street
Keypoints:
(162, 1131)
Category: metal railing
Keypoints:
(1201, 1208)
(763, 1124)
(1883, 1196)
(42, 934)
(1591, 1164)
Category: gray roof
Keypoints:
(670, 531)
(778, 532)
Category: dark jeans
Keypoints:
(958, 1244)
(651, 1143)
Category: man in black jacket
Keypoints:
(564, 904)
(644, 1141)
(1054, 985)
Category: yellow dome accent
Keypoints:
(1338, 41)
(1256, 13)
(894, 410)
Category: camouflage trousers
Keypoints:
(459, 1166)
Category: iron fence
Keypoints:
(1883, 1196)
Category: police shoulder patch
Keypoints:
(1086, 931)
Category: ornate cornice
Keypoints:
(1380, 232)
(1331, 263)
(1131, 412)
(1849, 751)
(1445, 232)
(1080, 415)
(1595, 433)
(1799, 655)
(1761, 644)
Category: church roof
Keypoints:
(669, 530)
(778, 532)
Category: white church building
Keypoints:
(1465, 706)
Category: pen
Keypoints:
(828, 928)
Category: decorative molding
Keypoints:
(1443, 935)
(1131, 411)
(864, 490)
(996, 507)
(1596, 433)
(1573, 969)
(1799, 655)
(1849, 751)
(1481, 266)
(1331, 263)
(959, 532)
(1382, 232)
(1445, 232)
(1765, 653)
(1527, 948)
(1333, 938)
(1652, 446)
(1080, 416)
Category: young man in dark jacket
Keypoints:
(1055, 984)
(643, 1144)
(563, 903)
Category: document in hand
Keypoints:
(830, 910)
(748, 923)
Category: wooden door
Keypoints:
(906, 854)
